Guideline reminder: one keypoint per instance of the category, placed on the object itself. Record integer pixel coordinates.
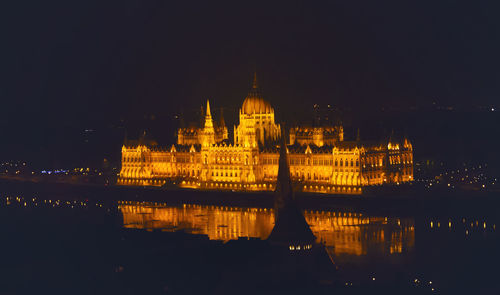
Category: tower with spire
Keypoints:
(321, 161)
(291, 235)
(290, 227)
(221, 130)
(208, 132)
(257, 125)
(209, 124)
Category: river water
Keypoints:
(453, 253)
(443, 252)
(343, 233)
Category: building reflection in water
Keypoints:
(342, 232)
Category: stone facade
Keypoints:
(320, 160)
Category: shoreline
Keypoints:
(407, 202)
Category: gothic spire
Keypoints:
(255, 90)
(222, 123)
(391, 136)
(284, 192)
(290, 226)
(208, 114)
(208, 117)
(255, 85)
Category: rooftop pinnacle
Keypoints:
(208, 118)
(255, 85)
(208, 114)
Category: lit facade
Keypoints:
(319, 157)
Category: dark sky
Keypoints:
(79, 63)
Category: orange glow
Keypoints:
(342, 232)
(319, 158)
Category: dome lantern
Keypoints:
(254, 103)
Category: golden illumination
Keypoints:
(341, 232)
(320, 160)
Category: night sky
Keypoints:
(70, 65)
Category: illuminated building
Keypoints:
(320, 159)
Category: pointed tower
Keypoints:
(257, 126)
(256, 96)
(222, 129)
(391, 140)
(284, 191)
(222, 122)
(290, 227)
(208, 117)
(255, 85)
(208, 132)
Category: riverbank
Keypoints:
(415, 201)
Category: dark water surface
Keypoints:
(448, 251)
(72, 244)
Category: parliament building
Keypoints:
(320, 160)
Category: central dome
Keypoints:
(254, 103)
